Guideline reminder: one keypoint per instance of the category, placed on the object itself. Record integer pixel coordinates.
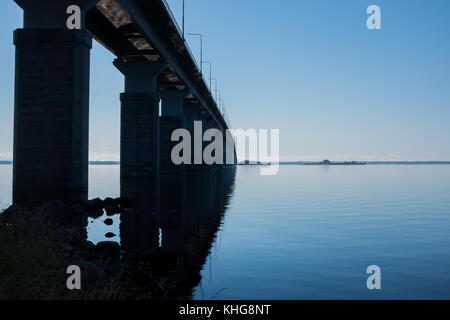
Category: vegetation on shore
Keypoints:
(39, 241)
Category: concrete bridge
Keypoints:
(51, 123)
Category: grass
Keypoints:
(32, 265)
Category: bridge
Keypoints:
(51, 122)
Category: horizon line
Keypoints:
(116, 162)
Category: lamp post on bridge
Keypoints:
(222, 105)
(210, 73)
(215, 81)
(201, 49)
(183, 19)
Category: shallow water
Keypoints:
(310, 232)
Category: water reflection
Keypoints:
(191, 208)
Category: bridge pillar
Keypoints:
(139, 138)
(172, 176)
(51, 108)
(172, 118)
(229, 149)
(207, 123)
(191, 112)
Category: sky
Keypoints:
(310, 68)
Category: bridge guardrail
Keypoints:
(172, 16)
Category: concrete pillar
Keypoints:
(172, 197)
(207, 123)
(229, 149)
(139, 139)
(191, 112)
(172, 118)
(52, 14)
(51, 109)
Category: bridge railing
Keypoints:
(180, 33)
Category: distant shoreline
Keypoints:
(93, 163)
(299, 163)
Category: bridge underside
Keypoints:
(52, 96)
(133, 38)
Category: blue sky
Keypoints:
(309, 68)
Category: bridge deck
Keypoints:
(142, 29)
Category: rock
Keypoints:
(109, 222)
(95, 213)
(88, 245)
(94, 203)
(110, 202)
(95, 208)
(85, 251)
(108, 250)
(110, 235)
(112, 210)
(12, 212)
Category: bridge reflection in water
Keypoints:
(192, 206)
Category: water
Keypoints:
(310, 232)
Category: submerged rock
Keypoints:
(113, 210)
(110, 235)
(95, 208)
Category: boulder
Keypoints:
(112, 210)
(94, 203)
(110, 235)
(110, 202)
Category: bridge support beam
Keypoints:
(51, 110)
(172, 118)
(139, 139)
(172, 176)
(207, 123)
(191, 112)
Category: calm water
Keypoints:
(310, 232)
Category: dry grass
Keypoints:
(31, 263)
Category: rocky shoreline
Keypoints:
(51, 236)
